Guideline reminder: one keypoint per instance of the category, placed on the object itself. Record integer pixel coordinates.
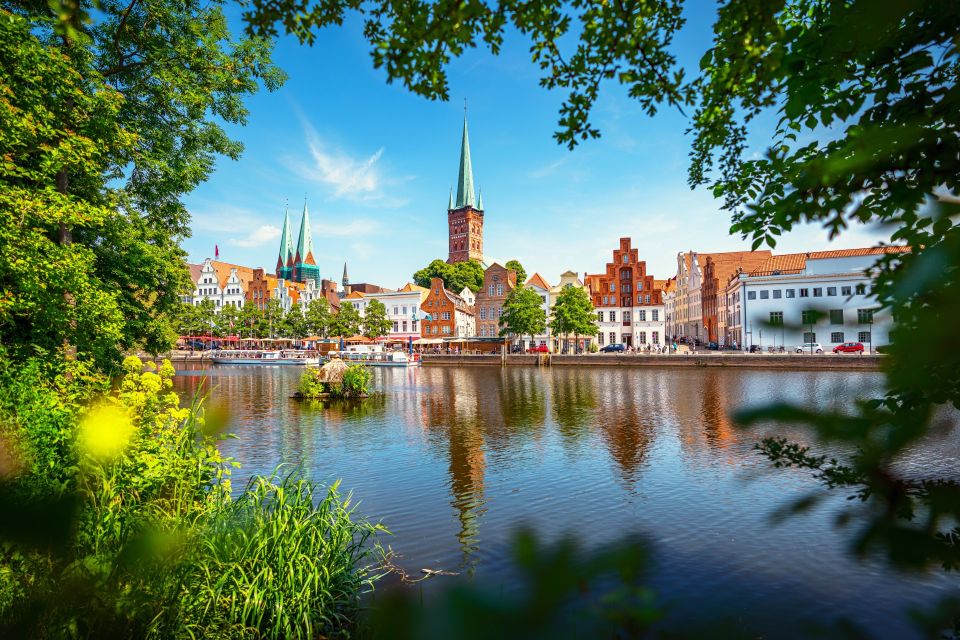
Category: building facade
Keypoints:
(567, 279)
(629, 304)
(717, 269)
(403, 310)
(465, 213)
(538, 285)
(498, 282)
(222, 283)
(444, 314)
(820, 296)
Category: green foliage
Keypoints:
(271, 324)
(375, 320)
(285, 560)
(294, 323)
(573, 313)
(627, 42)
(521, 272)
(356, 382)
(523, 313)
(318, 317)
(251, 319)
(455, 276)
(347, 322)
(227, 321)
(310, 385)
(129, 529)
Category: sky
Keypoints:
(375, 164)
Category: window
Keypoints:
(836, 317)
(613, 337)
(600, 338)
(600, 316)
(396, 327)
(656, 337)
(490, 290)
(863, 336)
(789, 293)
(613, 316)
(861, 289)
(613, 287)
(836, 337)
(809, 317)
(605, 299)
(642, 337)
(804, 293)
(764, 295)
(446, 329)
(395, 311)
(404, 326)
(642, 315)
(646, 299)
(817, 292)
(639, 299)
(656, 315)
(864, 316)
(483, 313)
(776, 294)
(625, 288)
(831, 291)
(626, 316)
(751, 295)
(809, 336)
(776, 318)
(846, 291)
(626, 259)
(499, 312)
(499, 289)
(404, 311)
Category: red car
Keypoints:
(849, 347)
(540, 348)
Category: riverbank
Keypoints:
(792, 361)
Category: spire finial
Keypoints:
(466, 196)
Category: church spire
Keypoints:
(285, 257)
(480, 201)
(305, 243)
(346, 279)
(450, 205)
(465, 192)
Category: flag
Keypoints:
(216, 251)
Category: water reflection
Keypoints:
(454, 459)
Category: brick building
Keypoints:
(498, 282)
(445, 314)
(717, 271)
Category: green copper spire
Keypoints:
(465, 193)
(480, 201)
(305, 244)
(285, 258)
(450, 206)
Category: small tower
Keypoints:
(285, 258)
(346, 279)
(465, 214)
(304, 265)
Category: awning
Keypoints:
(429, 341)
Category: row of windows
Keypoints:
(491, 313)
(396, 326)
(435, 329)
(498, 288)
(641, 337)
(641, 299)
(864, 316)
(765, 294)
(837, 337)
(627, 316)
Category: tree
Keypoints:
(272, 324)
(227, 321)
(375, 320)
(523, 313)
(250, 319)
(347, 321)
(455, 276)
(294, 323)
(521, 272)
(206, 317)
(573, 313)
(106, 124)
(319, 317)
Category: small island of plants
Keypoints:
(336, 379)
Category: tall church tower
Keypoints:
(465, 214)
(285, 259)
(304, 265)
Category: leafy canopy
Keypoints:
(521, 272)
(523, 313)
(375, 320)
(573, 313)
(455, 276)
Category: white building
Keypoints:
(222, 283)
(820, 296)
(538, 285)
(403, 309)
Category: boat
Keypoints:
(266, 357)
(377, 357)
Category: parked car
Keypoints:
(613, 348)
(808, 347)
(197, 345)
(540, 348)
(713, 346)
(849, 347)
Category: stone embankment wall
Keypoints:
(825, 362)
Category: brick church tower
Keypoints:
(465, 214)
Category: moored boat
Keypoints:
(378, 358)
(266, 357)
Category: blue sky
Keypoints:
(376, 164)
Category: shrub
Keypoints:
(356, 381)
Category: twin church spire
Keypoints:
(299, 265)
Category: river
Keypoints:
(453, 460)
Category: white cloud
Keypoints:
(259, 236)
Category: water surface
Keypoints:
(453, 460)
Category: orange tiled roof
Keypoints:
(354, 295)
(798, 261)
(411, 288)
(537, 280)
(222, 269)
